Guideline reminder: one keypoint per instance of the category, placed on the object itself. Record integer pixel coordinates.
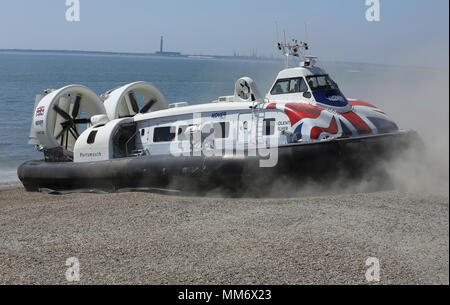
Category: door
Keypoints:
(246, 130)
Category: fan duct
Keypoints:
(245, 90)
(62, 115)
(133, 98)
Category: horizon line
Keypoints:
(206, 56)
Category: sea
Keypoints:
(193, 80)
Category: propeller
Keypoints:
(148, 106)
(71, 121)
(245, 89)
(133, 101)
(135, 105)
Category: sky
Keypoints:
(410, 32)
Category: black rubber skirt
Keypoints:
(320, 161)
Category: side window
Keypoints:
(221, 130)
(298, 85)
(281, 86)
(294, 85)
(163, 134)
(303, 87)
(268, 127)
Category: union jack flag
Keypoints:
(40, 111)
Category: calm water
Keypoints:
(22, 75)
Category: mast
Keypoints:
(295, 49)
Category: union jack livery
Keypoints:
(310, 122)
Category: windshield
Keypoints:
(289, 85)
(321, 83)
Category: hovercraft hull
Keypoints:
(321, 161)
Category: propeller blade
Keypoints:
(134, 103)
(61, 133)
(82, 121)
(76, 107)
(67, 137)
(245, 87)
(62, 113)
(148, 106)
(72, 130)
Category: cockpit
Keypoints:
(305, 83)
(314, 83)
(308, 85)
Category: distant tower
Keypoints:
(161, 51)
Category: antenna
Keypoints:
(306, 32)
(286, 54)
(276, 29)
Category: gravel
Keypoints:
(147, 238)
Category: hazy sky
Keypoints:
(413, 32)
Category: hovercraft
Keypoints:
(130, 137)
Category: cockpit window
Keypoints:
(298, 85)
(281, 87)
(321, 83)
(291, 85)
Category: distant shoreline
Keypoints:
(197, 56)
(164, 55)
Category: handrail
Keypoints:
(126, 143)
(257, 109)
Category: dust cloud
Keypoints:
(417, 99)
